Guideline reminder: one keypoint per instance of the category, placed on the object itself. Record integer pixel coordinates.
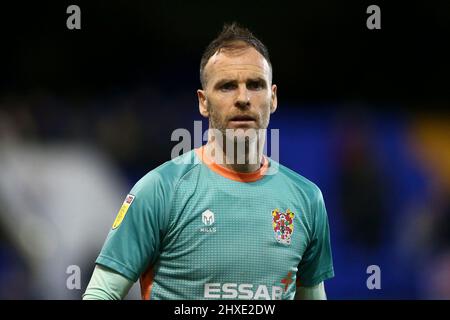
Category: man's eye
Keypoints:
(227, 86)
(255, 85)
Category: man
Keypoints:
(207, 226)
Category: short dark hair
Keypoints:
(227, 39)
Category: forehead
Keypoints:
(237, 63)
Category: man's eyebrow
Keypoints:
(223, 81)
(256, 79)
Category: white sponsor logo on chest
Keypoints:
(208, 220)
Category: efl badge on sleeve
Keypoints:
(123, 210)
(283, 225)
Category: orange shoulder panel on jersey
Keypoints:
(146, 282)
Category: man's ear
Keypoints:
(202, 103)
(274, 99)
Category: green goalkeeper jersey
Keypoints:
(192, 229)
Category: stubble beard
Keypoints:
(249, 141)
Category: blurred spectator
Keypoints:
(58, 203)
(428, 223)
(361, 183)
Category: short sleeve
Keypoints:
(317, 263)
(134, 241)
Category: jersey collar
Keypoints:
(229, 173)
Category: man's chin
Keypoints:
(247, 133)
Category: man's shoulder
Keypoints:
(169, 173)
(301, 182)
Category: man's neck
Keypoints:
(243, 159)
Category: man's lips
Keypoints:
(243, 118)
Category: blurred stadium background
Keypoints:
(364, 114)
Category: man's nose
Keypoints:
(243, 98)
